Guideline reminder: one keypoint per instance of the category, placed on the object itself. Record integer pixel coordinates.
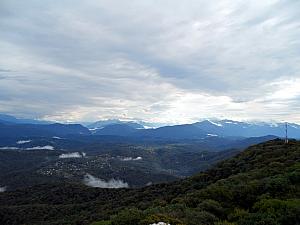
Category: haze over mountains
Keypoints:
(114, 150)
(11, 126)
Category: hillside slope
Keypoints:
(14, 130)
(258, 186)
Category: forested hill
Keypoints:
(261, 185)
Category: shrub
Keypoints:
(196, 217)
(103, 222)
(211, 206)
(127, 216)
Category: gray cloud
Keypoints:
(92, 181)
(162, 61)
(2, 189)
(72, 155)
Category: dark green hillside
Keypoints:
(259, 186)
(21, 169)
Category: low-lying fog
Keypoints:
(92, 181)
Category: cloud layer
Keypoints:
(92, 181)
(72, 155)
(161, 61)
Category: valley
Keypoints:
(72, 174)
(259, 184)
(136, 164)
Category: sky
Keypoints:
(165, 61)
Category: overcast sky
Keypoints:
(171, 61)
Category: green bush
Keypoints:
(285, 212)
(197, 217)
(223, 223)
(237, 214)
(211, 206)
(127, 216)
(258, 219)
(103, 222)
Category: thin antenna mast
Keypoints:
(286, 133)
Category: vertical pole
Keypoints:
(286, 133)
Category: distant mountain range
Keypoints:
(101, 124)
(11, 126)
(203, 129)
(41, 130)
(243, 129)
(11, 119)
(134, 124)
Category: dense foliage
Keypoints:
(258, 186)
